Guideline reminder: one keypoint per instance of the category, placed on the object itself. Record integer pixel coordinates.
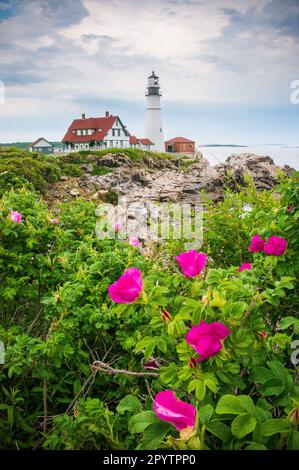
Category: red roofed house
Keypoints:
(101, 133)
(180, 145)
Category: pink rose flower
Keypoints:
(257, 244)
(176, 412)
(54, 221)
(127, 288)
(117, 226)
(192, 262)
(206, 338)
(16, 217)
(244, 266)
(275, 246)
(133, 241)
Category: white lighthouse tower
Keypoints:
(153, 117)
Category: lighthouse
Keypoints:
(153, 117)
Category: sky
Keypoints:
(225, 67)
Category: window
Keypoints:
(118, 132)
(86, 146)
(78, 132)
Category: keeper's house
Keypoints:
(180, 145)
(101, 133)
(41, 145)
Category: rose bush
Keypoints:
(217, 341)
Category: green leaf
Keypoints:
(129, 403)
(141, 421)
(168, 373)
(219, 429)
(275, 426)
(205, 414)
(272, 387)
(260, 375)
(200, 390)
(230, 404)
(199, 387)
(286, 322)
(154, 435)
(243, 425)
(211, 381)
(148, 352)
(293, 441)
(162, 346)
(256, 446)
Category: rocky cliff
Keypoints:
(175, 180)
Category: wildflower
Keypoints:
(16, 217)
(257, 244)
(127, 288)
(192, 262)
(176, 412)
(117, 226)
(54, 221)
(133, 241)
(206, 338)
(245, 266)
(275, 246)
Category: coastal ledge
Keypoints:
(167, 180)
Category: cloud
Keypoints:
(64, 53)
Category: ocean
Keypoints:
(282, 155)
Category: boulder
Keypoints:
(233, 172)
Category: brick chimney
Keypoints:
(83, 116)
(107, 113)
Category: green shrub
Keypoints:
(71, 169)
(9, 180)
(101, 170)
(38, 173)
(57, 319)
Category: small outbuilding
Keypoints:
(180, 145)
(42, 145)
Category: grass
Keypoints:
(133, 154)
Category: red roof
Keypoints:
(146, 142)
(133, 140)
(100, 126)
(177, 140)
(41, 138)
